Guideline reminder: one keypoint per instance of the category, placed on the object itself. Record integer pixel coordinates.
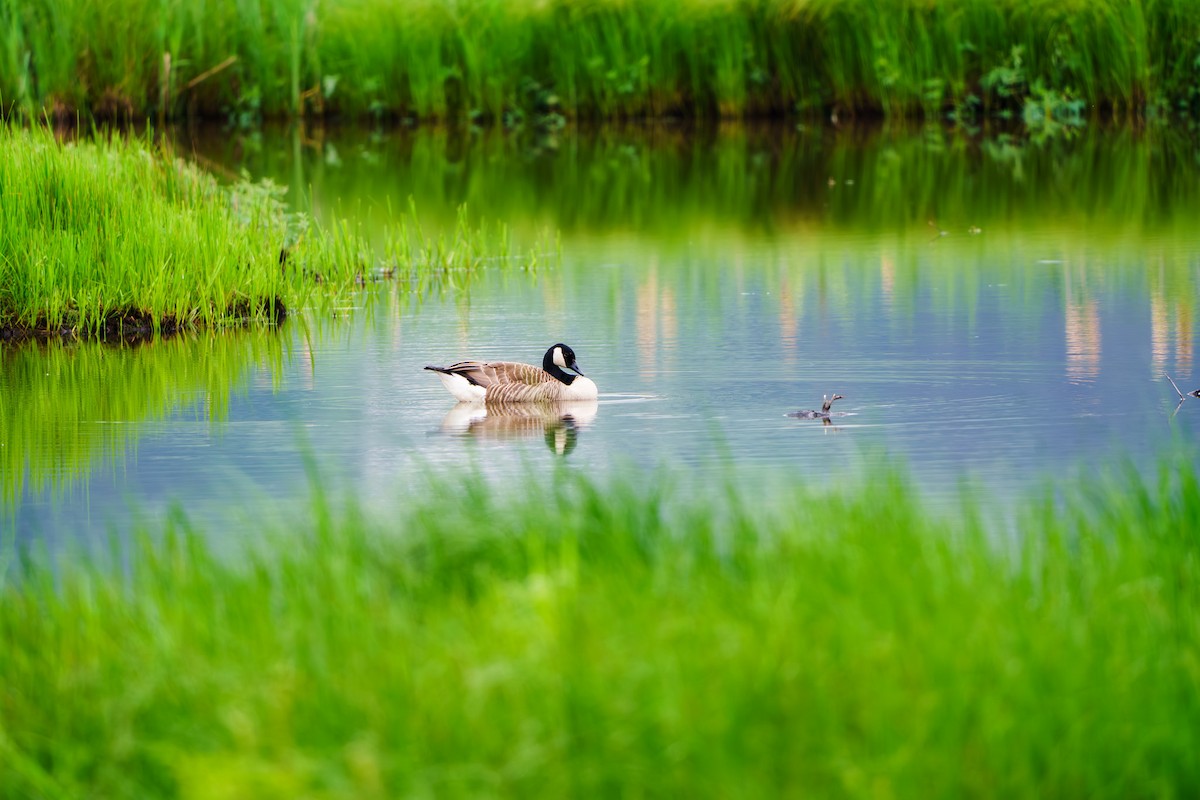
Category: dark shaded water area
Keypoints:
(998, 313)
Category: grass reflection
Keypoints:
(68, 407)
(672, 184)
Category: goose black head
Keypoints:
(558, 359)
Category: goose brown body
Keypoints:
(508, 381)
(514, 382)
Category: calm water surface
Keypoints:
(995, 315)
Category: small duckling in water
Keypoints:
(827, 403)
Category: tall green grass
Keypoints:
(623, 637)
(113, 237)
(528, 61)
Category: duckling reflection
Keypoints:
(558, 422)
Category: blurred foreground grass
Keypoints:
(623, 637)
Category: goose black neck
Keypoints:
(555, 370)
(558, 372)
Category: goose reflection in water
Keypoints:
(559, 423)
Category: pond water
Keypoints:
(995, 312)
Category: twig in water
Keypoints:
(1182, 395)
(1168, 377)
(1194, 393)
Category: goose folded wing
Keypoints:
(498, 373)
(506, 372)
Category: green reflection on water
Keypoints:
(925, 209)
(668, 184)
(66, 408)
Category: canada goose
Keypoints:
(513, 382)
(823, 413)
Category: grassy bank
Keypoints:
(529, 62)
(118, 238)
(624, 637)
